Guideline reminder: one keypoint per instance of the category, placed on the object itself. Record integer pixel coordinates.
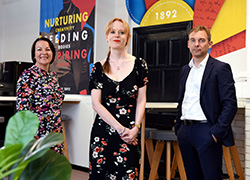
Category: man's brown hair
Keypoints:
(201, 28)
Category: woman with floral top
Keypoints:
(38, 90)
(118, 91)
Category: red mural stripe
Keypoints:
(229, 45)
(206, 11)
(85, 6)
(149, 3)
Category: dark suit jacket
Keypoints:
(217, 98)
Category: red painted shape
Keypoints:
(229, 45)
(149, 3)
(84, 6)
(206, 11)
(83, 92)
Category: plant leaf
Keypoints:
(21, 128)
(52, 139)
(17, 171)
(9, 154)
(44, 144)
(51, 166)
(12, 171)
(21, 166)
(8, 157)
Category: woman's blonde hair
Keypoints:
(108, 28)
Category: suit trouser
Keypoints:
(202, 157)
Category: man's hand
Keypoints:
(215, 140)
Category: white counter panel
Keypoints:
(78, 129)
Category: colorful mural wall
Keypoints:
(225, 18)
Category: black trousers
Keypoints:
(202, 156)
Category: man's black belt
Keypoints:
(192, 122)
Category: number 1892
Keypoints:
(167, 14)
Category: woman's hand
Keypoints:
(129, 136)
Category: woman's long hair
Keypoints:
(106, 65)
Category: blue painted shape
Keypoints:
(190, 3)
(136, 9)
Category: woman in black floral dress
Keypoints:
(38, 90)
(118, 89)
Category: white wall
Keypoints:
(104, 12)
(246, 86)
(237, 60)
(19, 28)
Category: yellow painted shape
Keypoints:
(167, 11)
(230, 21)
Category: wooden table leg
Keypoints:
(174, 167)
(168, 159)
(141, 175)
(156, 159)
(228, 162)
(65, 142)
(179, 161)
(150, 153)
(236, 160)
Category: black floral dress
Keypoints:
(110, 157)
(39, 91)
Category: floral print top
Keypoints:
(39, 91)
(110, 157)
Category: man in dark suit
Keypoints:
(206, 108)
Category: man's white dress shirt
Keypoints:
(191, 108)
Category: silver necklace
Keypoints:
(117, 67)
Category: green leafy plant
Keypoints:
(24, 158)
